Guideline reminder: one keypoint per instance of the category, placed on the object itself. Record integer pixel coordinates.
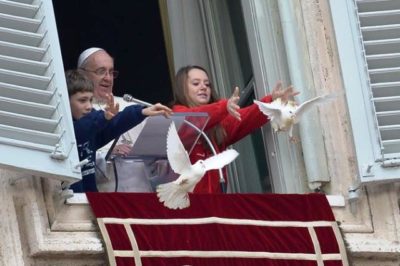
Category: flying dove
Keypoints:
(284, 115)
(175, 194)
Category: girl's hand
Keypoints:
(232, 104)
(285, 94)
(121, 149)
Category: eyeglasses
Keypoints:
(101, 72)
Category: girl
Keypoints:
(227, 122)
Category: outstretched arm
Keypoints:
(157, 109)
(251, 117)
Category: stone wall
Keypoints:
(37, 228)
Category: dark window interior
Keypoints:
(131, 31)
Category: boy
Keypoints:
(94, 129)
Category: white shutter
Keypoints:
(380, 27)
(368, 38)
(36, 132)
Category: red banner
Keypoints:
(224, 229)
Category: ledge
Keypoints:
(368, 247)
(80, 198)
(77, 199)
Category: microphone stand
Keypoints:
(129, 98)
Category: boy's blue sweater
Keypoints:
(93, 131)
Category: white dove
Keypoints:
(284, 115)
(175, 194)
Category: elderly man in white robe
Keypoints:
(133, 175)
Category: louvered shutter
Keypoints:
(36, 132)
(368, 39)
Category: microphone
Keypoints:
(129, 98)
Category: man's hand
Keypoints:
(232, 105)
(111, 108)
(285, 94)
(157, 109)
(121, 149)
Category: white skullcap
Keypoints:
(85, 54)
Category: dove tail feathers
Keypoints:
(331, 96)
(173, 196)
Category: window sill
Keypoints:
(81, 199)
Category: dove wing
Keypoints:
(178, 157)
(307, 105)
(221, 159)
(269, 109)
